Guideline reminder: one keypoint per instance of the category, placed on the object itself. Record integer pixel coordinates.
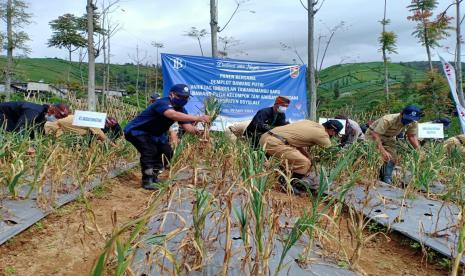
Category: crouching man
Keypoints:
(384, 131)
(288, 143)
(145, 130)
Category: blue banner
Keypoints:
(243, 87)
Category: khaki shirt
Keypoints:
(239, 128)
(303, 134)
(457, 142)
(66, 125)
(389, 126)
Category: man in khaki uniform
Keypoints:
(66, 125)
(237, 130)
(384, 131)
(457, 142)
(288, 143)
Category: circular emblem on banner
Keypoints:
(294, 71)
(178, 63)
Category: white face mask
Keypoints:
(282, 109)
(50, 118)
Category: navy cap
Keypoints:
(181, 90)
(155, 96)
(411, 112)
(334, 124)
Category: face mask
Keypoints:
(282, 109)
(50, 118)
(178, 102)
(405, 121)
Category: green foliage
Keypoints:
(388, 42)
(67, 33)
(407, 84)
(435, 100)
(429, 32)
(20, 17)
(212, 107)
(336, 90)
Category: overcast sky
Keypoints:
(260, 26)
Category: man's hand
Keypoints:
(386, 155)
(203, 118)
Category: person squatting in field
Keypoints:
(147, 131)
(288, 144)
(266, 119)
(20, 116)
(384, 131)
(65, 125)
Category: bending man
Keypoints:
(288, 144)
(266, 119)
(145, 131)
(384, 131)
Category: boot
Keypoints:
(386, 172)
(298, 184)
(149, 179)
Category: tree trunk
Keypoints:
(10, 46)
(386, 73)
(458, 63)
(69, 66)
(91, 100)
(200, 45)
(311, 61)
(104, 42)
(145, 88)
(108, 59)
(104, 77)
(156, 74)
(81, 58)
(214, 27)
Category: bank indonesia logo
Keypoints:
(294, 71)
(178, 63)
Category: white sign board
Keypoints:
(89, 119)
(343, 122)
(430, 130)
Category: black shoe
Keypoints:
(150, 182)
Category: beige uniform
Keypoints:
(298, 135)
(457, 142)
(388, 127)
(237, 129)
(66, 125)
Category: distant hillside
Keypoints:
(55, 71)
(360, 84)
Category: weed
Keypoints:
(38, 226)
(10, 270)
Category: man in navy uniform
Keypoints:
(147, 132)
(18, 116)
(266, 119)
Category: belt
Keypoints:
(279, 137)
(461, 140)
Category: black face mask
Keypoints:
(405, 121)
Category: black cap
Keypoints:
(181, 90)
(155, 96)
(334, 124)
(412, 113)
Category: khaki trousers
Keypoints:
(290, 157)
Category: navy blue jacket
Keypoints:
(152, 121)
(18, 115)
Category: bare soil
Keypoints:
(392, 254)
(67, 243)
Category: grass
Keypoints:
(233, 192)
